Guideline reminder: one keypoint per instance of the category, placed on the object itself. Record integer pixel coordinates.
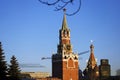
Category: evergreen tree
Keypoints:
(3, 65)
(14, 70)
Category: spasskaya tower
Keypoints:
(65, 61)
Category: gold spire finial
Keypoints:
(64, 10)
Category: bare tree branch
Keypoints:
(61, 4)
(49, 4)
(66, 1)
(76, 10)
(61, 7)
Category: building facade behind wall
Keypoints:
(105, 70)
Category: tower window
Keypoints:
(65, 57)
(75, 58)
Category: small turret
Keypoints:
(92, 71)
(92, 62)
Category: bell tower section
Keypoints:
(65, 61)
(64, 38)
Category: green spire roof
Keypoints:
(64, 23)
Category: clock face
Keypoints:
(68, 47)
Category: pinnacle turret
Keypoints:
(92, 61)
(92, 70)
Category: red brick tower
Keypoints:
(65, 62)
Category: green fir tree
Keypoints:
(14, 70)
(3, 65)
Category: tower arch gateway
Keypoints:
(65, 62)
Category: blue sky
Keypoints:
(30, 30)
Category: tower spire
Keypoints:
(64, 23)
(92, 62)
(64, 37)
(92, 70)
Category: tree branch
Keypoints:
(63, 5)
(79, 7)
(49, 4)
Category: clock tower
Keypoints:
(65, 61)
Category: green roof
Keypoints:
(64, 23)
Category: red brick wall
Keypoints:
(65, 69)
(70, 70)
